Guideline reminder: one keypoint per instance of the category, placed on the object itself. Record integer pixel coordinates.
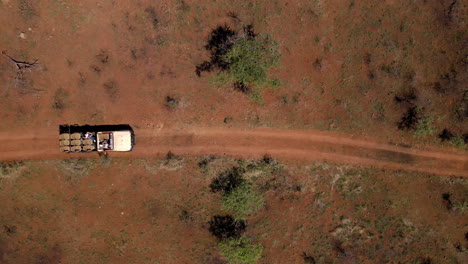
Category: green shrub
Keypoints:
(242, 201)
(458, 142)
(424, 126)
(240, 251)
(249, 60)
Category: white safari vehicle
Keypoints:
(86, 138)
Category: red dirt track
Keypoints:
(284, 144)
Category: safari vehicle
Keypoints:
(86, 138)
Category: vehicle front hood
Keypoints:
(122, 141)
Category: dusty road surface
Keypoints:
(283, 144)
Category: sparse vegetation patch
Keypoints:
(10, 170)
(76, 168)
(60, 100)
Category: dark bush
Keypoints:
(203, 164)
(267, 159)
(219, 44)
(308, 259)
(458, 247)
(224, 227)
(425, 260)
(317, 64)
(228, 180)
(185, 216)
(266, 162)
(171, 102)
(407, 94)
(9, 229)
(221, 39)
(410, 119)
(228, 120)
(461, 110)
(446, 135)
(446, 197)
(170, 156)
(339, 249)
(205, 66)
(249, 33)
(241, 87)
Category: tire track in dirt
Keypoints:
(283, 144)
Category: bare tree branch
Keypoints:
(20, 81)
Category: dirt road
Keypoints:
(283, 144)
